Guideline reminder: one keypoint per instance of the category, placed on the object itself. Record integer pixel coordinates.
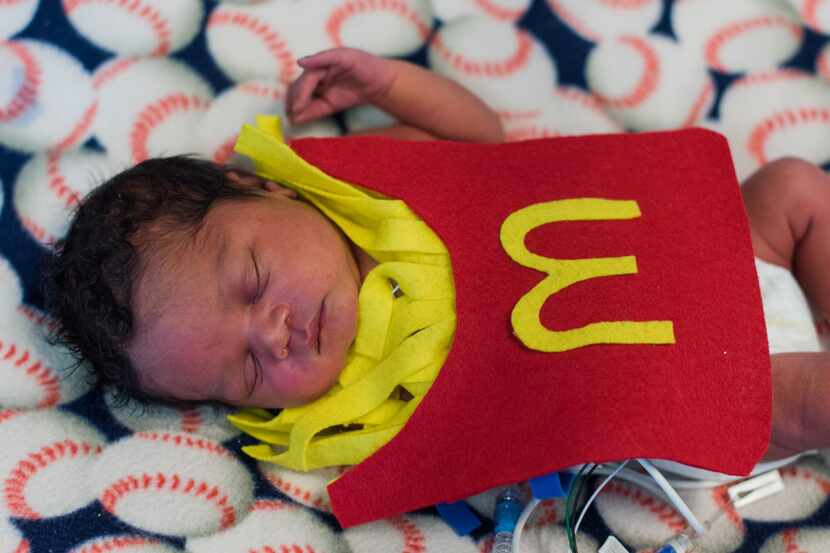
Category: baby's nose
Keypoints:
(272, 332)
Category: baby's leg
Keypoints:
(788, 202)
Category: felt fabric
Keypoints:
(401, 342)
(536, 412)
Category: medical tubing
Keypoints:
(508, 510)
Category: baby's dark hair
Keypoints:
(90, 280)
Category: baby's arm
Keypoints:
(426, 104)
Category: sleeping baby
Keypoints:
(214, 284)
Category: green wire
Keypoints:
(574, 495)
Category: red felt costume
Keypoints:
(501, 412)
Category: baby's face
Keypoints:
(260, 310)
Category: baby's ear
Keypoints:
(249, 180)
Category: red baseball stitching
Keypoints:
(664, 512)
(293, 548)
(12, 2)
(263, 90)
(626, 4)
(756, 143)
(571, 20)
(58, 183)
(648, 81)
(530, 133)
(19, 476)
(174, 482)
(499, 12)
(712, 47)
(224, 152)
(586, 100)
(185, 440)
(355, 7)
(721, 497)
(809, 12)
(43, 375)
(413, 538)
(272, 505)
(823, 64)
(38, 317)
(695, 113)
(115, 68)
(191, 420)
(275, 45)
(155, 114)
(27, 93)
(114, 544)
(79, 131)
(788, 540)
(488, 68)
(805, 474)
(23, 547)
(38, 232)
(764, 77)
(7, 414)
(143, 11)
(304, 496)
(549, 514)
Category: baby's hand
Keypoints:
(335, 80)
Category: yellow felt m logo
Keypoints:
(564, 272)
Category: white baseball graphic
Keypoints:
(207, 421)
(382, 27)
(570, 111)
(151, 479)
(798, 540)
(11, 540)
(11, 290)
(814, 13)
(806, 488)
(746, 35)
(366, 117)
(774, 114)
(124, 544)
(637, 517)
(219, 128)
(274, 526)
(257, 41)
(308, 488)
(501, 10)
(505, 66)
(50, 185)
(35, 374)
(47, 456)
(649, 82)
(149, 107)
(408, 534)
(598, 19)
(136, 28)
(15, 15)
(46, 97)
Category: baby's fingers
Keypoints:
(316, 109)
(326, 58)
(301, 90)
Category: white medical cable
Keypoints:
(596, 493)
(520, 524)
(644, 481)
(673, 496)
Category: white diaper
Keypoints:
(790, 325)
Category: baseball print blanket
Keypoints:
(88, 87)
